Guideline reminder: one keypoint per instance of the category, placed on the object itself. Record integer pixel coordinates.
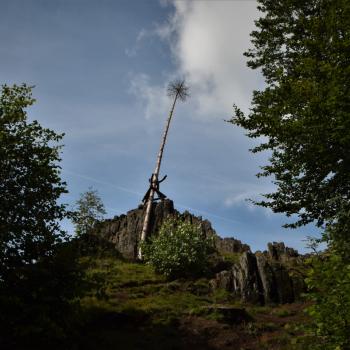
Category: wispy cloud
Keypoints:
(242, 197)
(132, 51)
(98, 181)
(153, 96)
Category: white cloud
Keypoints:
(239, 196)
(154, 96)
(132, 51)
(207, 40)
(212, 36)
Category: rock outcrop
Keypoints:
(124, 231)
(263, 277)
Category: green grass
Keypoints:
(130, 304)
(283, 312)
(121, 287)
(232, 258)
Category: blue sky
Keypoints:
(100, 70)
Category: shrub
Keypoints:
(329, 284)
(179, 250)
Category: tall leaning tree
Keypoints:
(179, 91)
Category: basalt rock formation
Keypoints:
(272, 276)
(265, 278)
(124, 231)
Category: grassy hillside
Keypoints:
(131, 307)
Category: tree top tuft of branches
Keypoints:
(179, 88)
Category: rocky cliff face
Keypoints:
(124, 231)
(268, 277)
(271, 277)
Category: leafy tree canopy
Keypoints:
(30, 183)
(38, 275)
(303, 117)
(89, 210)
(179, 250)
(329, 290)
(303, 50)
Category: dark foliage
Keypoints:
(302, 49)
(91, 245)
(38, 271)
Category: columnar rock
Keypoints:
(246, 279)
(124, 231)
(262, 278)
(231, 245)
(278, 251)
(268, 279)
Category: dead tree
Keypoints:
(179, 91)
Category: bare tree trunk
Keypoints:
(154, 180)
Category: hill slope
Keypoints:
(273, 276)
(130, 307)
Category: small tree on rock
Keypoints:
(89, 210)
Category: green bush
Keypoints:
(329, 284)
(179, 250)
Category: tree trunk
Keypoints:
(154, 180)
